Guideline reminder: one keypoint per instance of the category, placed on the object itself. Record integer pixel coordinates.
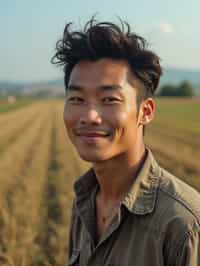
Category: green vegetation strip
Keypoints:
(6, 107)
(178, 114)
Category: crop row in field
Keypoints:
(37, 169)
(21, 190)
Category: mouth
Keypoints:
(91, 137)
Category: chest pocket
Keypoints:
(74, 259)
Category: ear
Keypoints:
(147, 110)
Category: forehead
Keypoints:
(101, 72)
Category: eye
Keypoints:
(111, 100)
(75, 100)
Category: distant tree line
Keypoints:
(184, 89)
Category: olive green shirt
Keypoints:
(158, 223)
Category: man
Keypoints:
(127, 210)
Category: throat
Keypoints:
(115, 178)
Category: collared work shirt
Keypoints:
(158, 223)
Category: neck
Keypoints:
(116, 176)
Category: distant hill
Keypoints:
(56, 87)
(175, 76)
(49, 88)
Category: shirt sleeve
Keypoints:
(189, 251)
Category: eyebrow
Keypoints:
(102, 88)
(74, 88)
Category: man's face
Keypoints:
(101, 115)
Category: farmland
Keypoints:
(5, 107)
(174, 136)
(38, 166)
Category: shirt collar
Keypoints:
(142, 195)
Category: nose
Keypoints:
(91, 116)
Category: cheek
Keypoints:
(120, 121)
(69, 117)
(123, 119)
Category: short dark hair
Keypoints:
(104, 39)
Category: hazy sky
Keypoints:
(29, 30)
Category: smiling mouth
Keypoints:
(92, 136)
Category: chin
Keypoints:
(92, 157)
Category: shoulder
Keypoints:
(179, 197)
(177, 212)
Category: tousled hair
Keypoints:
(107, 40)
